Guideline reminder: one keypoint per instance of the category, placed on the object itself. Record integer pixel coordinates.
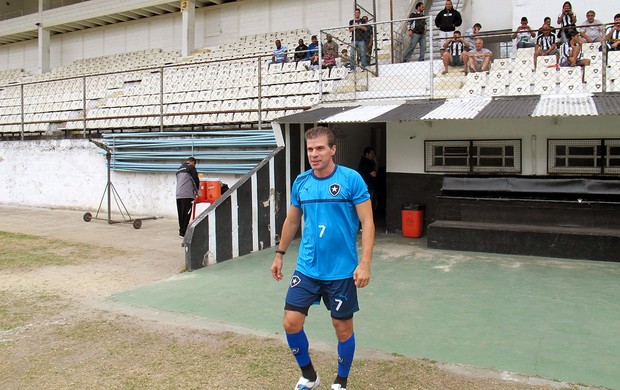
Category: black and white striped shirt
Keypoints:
(456, 48)
(545, 41)
(566, 49)
(615, 34)
(567, 20)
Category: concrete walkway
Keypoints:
(554, 318)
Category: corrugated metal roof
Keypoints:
(469, 108)
(607, 104)
(361, 114)
(316, 115)
(565, 105)
(510, 107)
(458, 109)
(410, 111)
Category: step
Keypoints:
(393, 94)
(572, 214)
(528, 240)
(408, 69)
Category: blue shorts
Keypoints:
(339, 296)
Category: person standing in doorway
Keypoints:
(417, 32)
(333, 200)
(188, 184)
(367, 168)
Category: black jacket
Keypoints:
(419, 25)
(448, 20)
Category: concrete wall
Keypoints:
(405, 140)
(536, 10)
(72, 174)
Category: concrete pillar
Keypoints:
(188, 10)
(44, 49)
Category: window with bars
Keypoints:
(473, 156)
(583, 156)
(505, 49)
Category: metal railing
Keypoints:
(252, 92)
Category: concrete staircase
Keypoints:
(412, 80)
(448, 85)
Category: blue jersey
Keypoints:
(328, 245)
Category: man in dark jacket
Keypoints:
(447, 21)
(187, 190)
(417, 32)
(301, 51)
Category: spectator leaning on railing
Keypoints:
(301, 51)
(591, 29)
(612, 34)
(472, 33)
(524, 35)
(546, 22)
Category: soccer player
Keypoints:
(333, 200)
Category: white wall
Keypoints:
(72, 174)
(536, 10)
(405, 140)
(491, 14)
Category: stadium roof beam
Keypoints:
(82, 24)
(169, 8)
(61, 29)
(91, 14)
(122, 18)
(142, 13)
(109, 19)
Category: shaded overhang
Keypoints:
(504, 107)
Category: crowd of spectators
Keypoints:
(309, 53)
(564, 41)
(461, 50)
(331, 54)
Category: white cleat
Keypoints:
(305, 384)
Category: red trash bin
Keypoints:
(412, 220)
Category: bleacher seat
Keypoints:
(502, 64)
(519, 88)
(546, 62)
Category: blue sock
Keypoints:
(346, 351)
(298, 342)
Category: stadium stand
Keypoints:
(233, 84)
(154, 88)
